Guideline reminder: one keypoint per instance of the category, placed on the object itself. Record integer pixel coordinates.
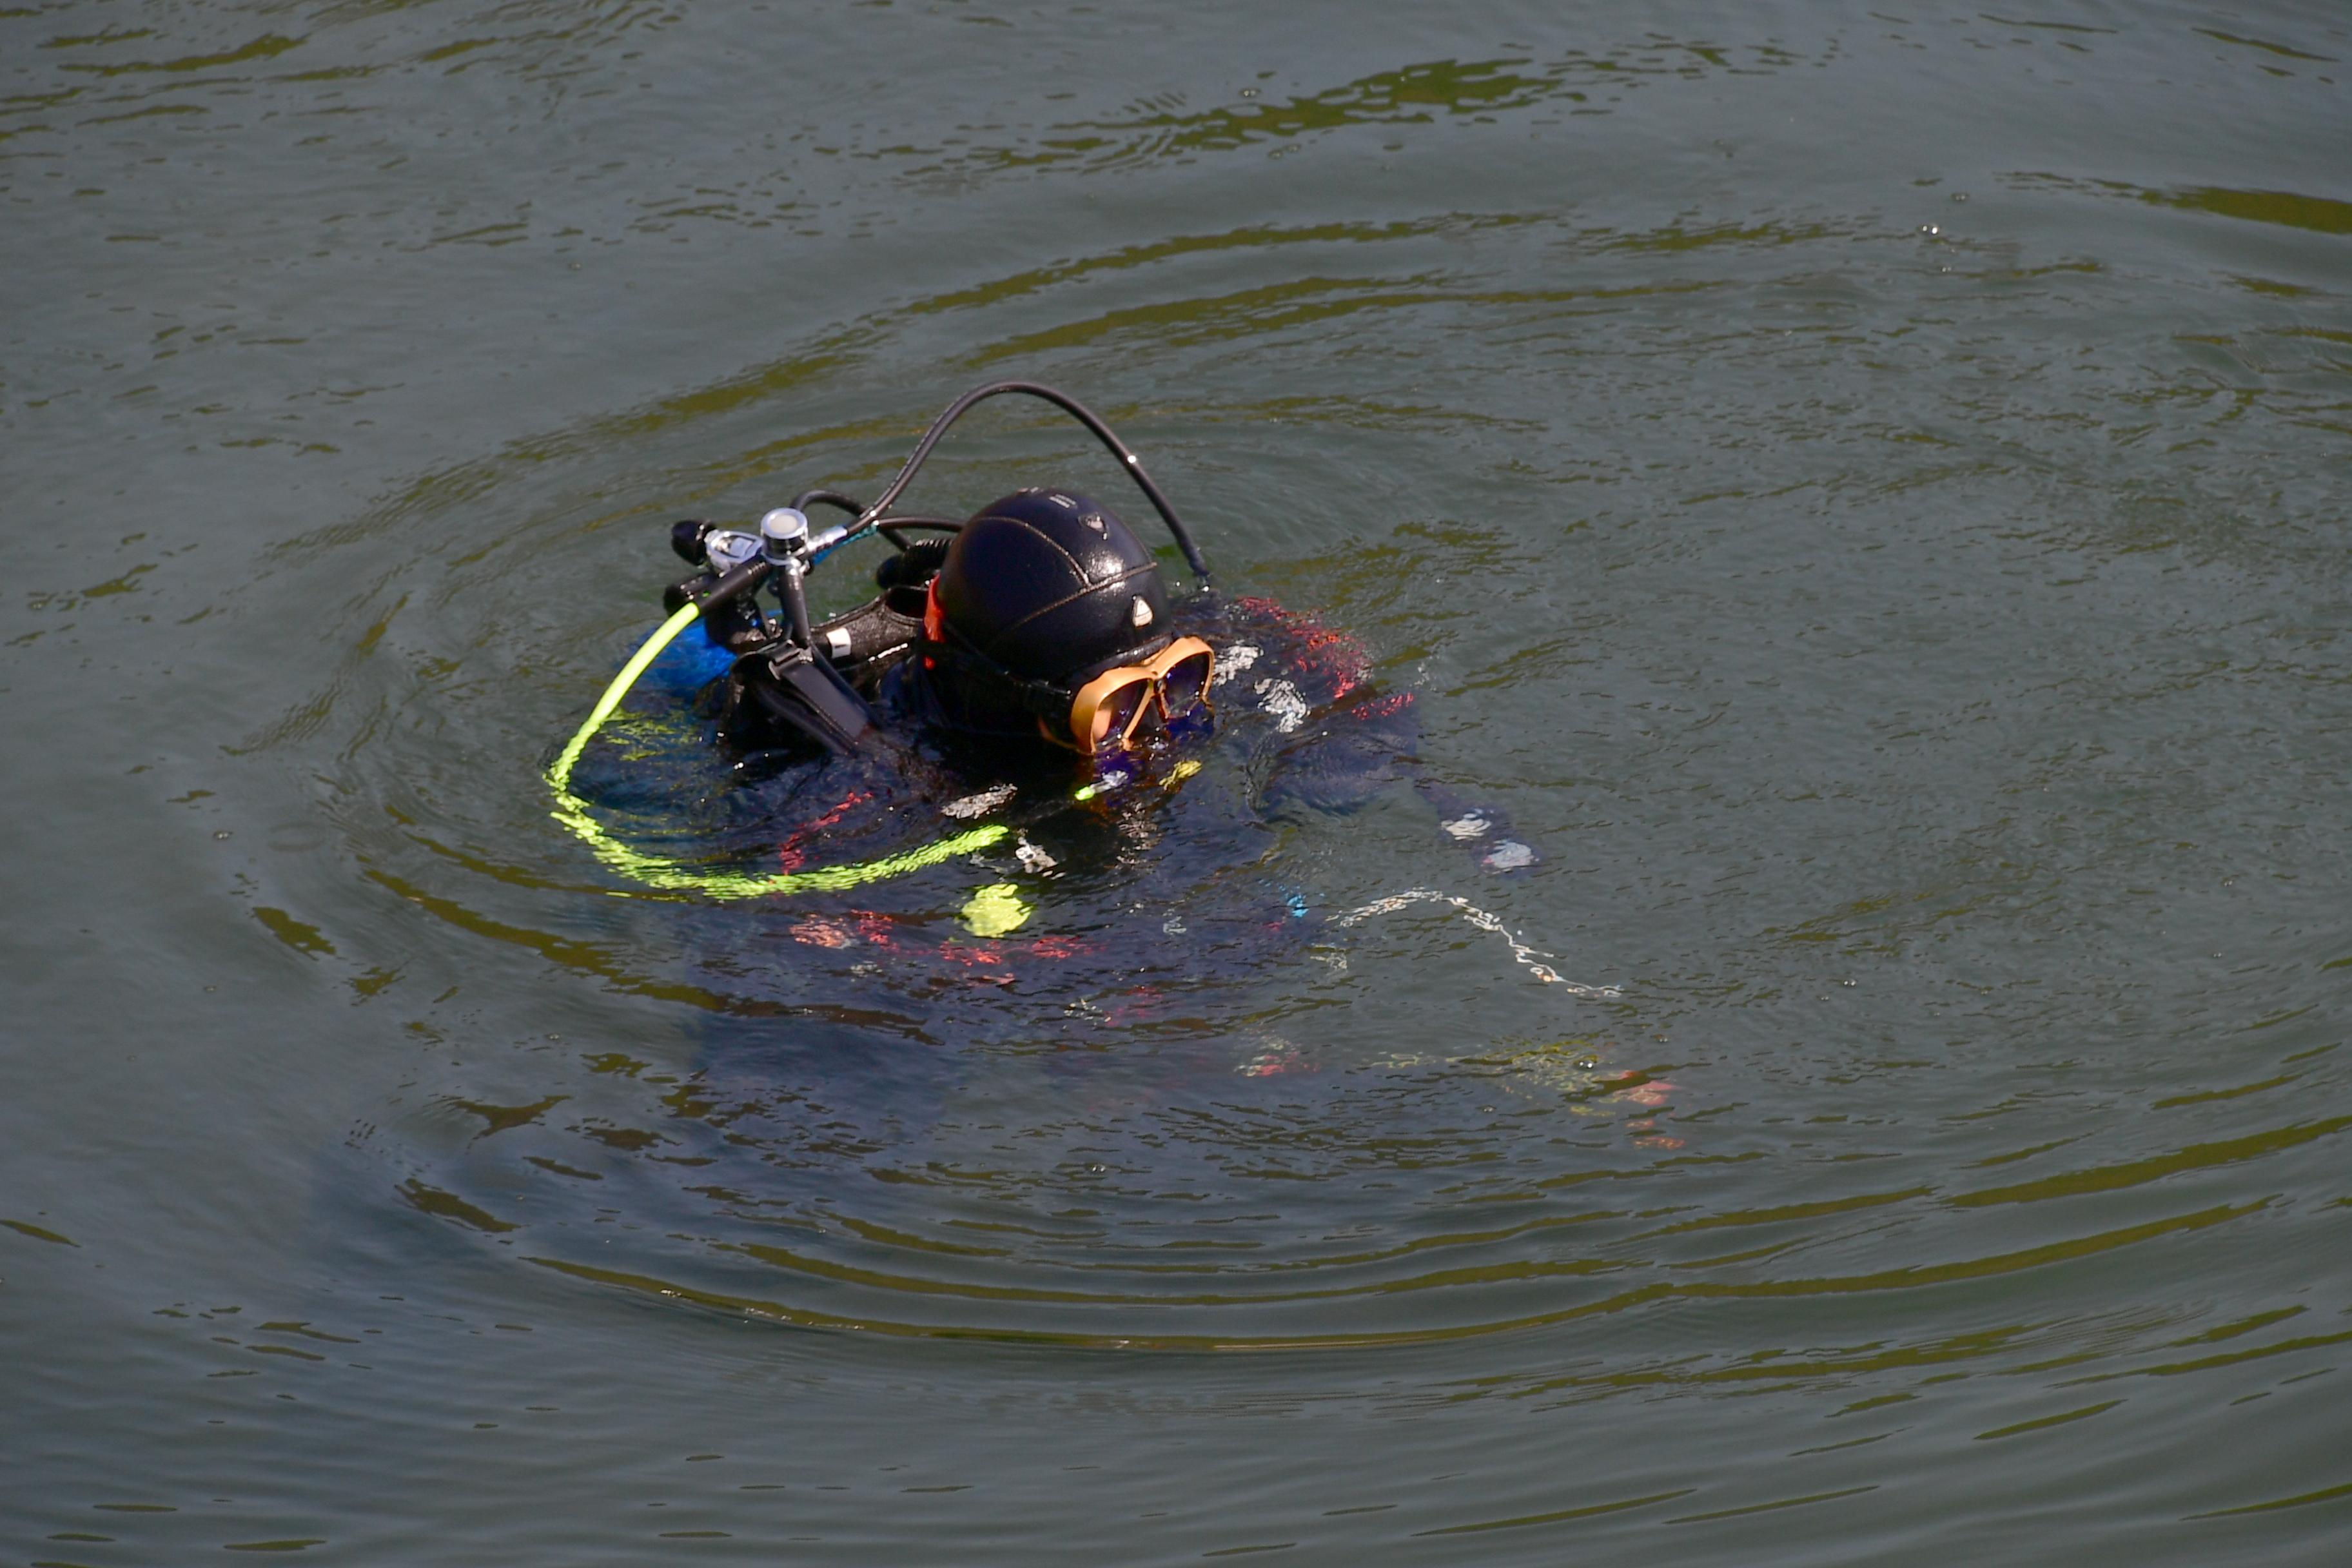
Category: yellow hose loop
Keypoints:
(672, 876)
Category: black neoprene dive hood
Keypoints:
(1052, 585)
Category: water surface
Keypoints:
(1864, 490)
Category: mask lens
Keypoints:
(1114, 714)
(1186, 684)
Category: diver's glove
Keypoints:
(1484, 833)
(1481, 829)
(913, 566)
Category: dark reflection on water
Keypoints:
(1864, 492)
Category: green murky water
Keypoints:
(1864, 489)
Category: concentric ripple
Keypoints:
(1258, 1077)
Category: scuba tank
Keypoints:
(792, 684)
(861, 643)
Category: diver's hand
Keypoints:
(1483, 830)
(1487, 834)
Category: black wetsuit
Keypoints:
(1128, 877)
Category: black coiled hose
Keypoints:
(871, 517)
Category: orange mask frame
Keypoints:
(1095, 708)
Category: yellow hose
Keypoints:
(672, 876)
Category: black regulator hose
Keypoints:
(872, 516)
(744, 579)
(833, 499)
(888, 527)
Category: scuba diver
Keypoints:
(1028, 800)
(1042, 618)
(1024, 674)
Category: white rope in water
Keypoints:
(1521, 953)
